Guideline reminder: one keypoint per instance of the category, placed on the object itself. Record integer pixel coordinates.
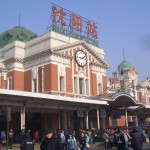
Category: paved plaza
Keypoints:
(97, 146)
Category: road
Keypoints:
(97, 146)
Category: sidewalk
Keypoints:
(97, 146)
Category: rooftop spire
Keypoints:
(124, 55)
(19, 19)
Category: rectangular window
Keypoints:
(62, 85)
(81, 86)
(9, 83)
(34, 85)
(100, 88)
(75, 85)
(87, 87)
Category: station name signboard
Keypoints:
(73, 25)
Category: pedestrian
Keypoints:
(10, 138)
(127, 139)
(136, 139)
(82, 141)
(36, 137)
(27, 143)
(63, 139)
(119, 140)
(93, 135)
(22, 137)
(72, 145)
(3, 138)
(87, 140)
(50, 142)
(105, 138)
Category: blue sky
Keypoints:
(122, 24)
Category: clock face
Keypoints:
(81, 58)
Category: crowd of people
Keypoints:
(122, 139)
(125, 139)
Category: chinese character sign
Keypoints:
(72, 24)
(76, 22)
(92, 29)
(58, 15)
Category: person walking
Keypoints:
(22, 137)
(63, 139)
(36, 137)
(50, 141)
(72, 145)
(27, 143)
(10, 138)
(119, 140)
(82, 141)
(136, 139)
(105, 138)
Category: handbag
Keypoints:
(87, 145)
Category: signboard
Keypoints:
(116, 116)
(103, 113)
(73, 25)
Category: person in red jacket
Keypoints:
(36, 137)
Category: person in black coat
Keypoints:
(22, 137)
(136, 139)
(27, 143)
(50, 141)
(119, 140)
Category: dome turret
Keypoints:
(125, 65)
(17, 33)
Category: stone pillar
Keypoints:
(59, 121)
(23, 117)
(126, 117)
(136, 120)
(68, 119)
(103, 117)
(64, 121)
(98, 123)
(87, 120)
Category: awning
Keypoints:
(39, 100)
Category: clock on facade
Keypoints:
(81, 58)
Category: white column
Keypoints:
(98, 124)
(87, 120)
(42, 79)
(126, 117)
(136, 120)
(23, 117)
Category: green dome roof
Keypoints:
(16, 34)
(125, 64)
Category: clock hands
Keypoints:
(82, 57)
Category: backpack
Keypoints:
(90, 140)
(104, 137)
(118, 138)
(3, 135)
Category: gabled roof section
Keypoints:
(86, 46)
(117, 100)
